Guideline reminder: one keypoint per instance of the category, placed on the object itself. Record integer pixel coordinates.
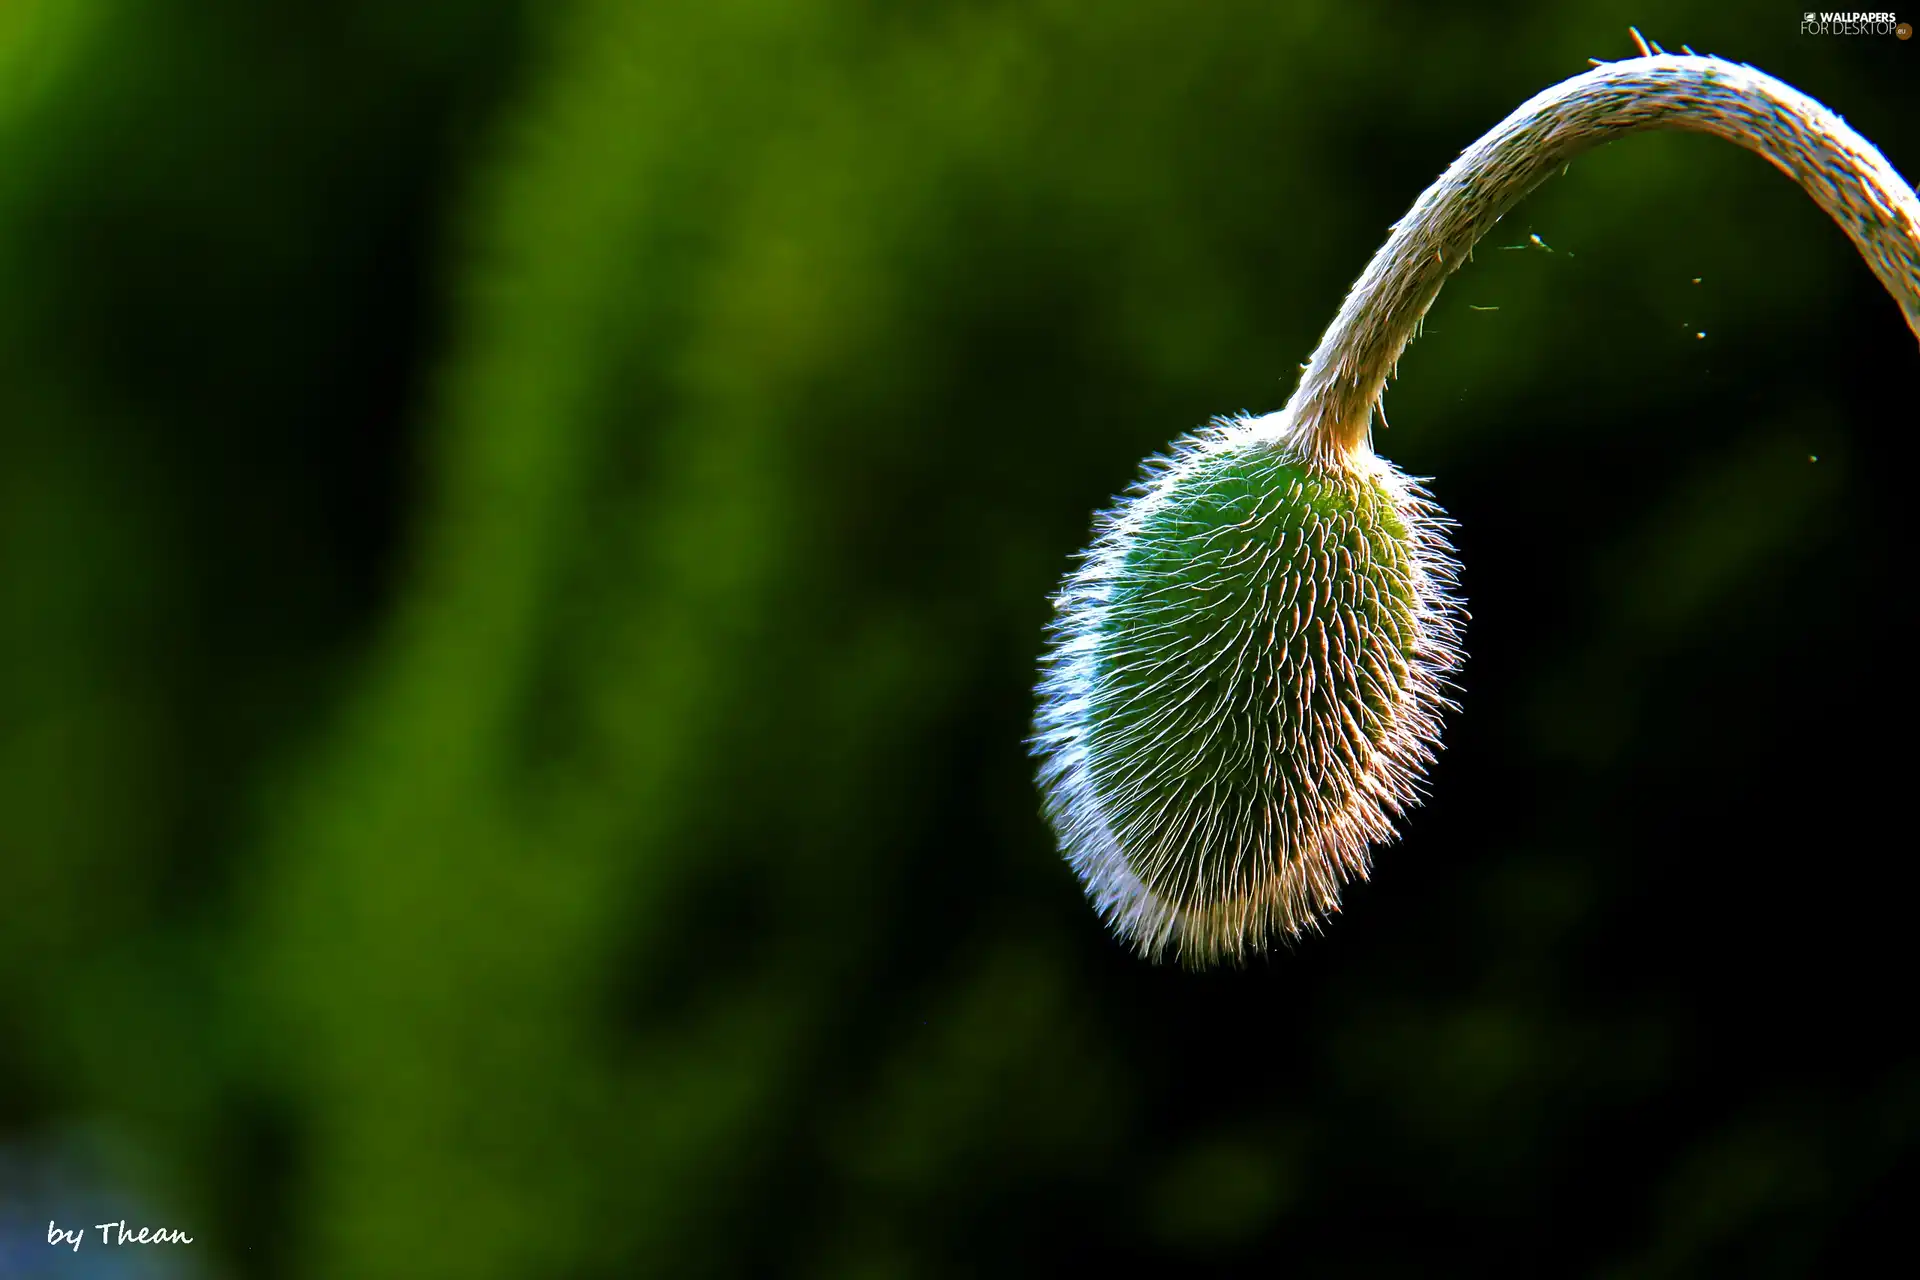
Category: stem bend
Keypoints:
(1330, 414)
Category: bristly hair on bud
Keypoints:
(1245, 675)
(1243, 688)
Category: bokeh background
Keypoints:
(525, 532)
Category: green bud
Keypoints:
(1242, 687)
(1244, 683)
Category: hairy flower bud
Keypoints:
(1243, 685)
(1244, 681)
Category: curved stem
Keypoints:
(1331, 412)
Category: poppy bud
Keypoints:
(1245, 677)
(1243, 686)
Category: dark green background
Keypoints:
(525, 532)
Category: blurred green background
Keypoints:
(525, 532)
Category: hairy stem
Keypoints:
(1331, 412)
